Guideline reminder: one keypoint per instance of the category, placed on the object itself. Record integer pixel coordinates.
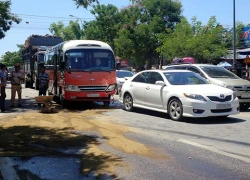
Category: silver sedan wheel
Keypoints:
(175, 109)
(128, 102)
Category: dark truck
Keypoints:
(33, 56)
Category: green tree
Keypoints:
(70, 32)
(239, 26)
(6, 18)
(143, 21)
(204, 43)
(11, 58)
(106, 24)
(85, 3)
(228, 36)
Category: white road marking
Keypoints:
(7, 170)
(215, 150)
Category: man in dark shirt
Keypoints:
(43, 82)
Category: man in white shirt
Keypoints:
(16, 78)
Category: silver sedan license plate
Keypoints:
(223, 106)
(93, 95)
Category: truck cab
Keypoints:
(33, 56)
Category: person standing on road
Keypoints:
(43, 79)
(3, 85)
(16, 78)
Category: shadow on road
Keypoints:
(150, 113)
(82, 106)
(26, 142)
(29, 104)
(214, 120)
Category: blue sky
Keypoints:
(203, 10)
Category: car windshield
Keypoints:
(218, 72)
(184, 78)
(123, 74)
(90, 60)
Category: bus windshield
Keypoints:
(90, 60)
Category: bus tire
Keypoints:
(64, 102)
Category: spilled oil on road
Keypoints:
(38, 134)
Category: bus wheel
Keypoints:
(106, 103)
(65, 104)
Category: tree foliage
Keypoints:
(106, 24)
(85, 3)
(204, 43)
(228, 35)
(6, 18)
(72, 31)
(149, 29)
(11, 58)
(143, 21)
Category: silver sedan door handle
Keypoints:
(147, 88)
(131, 85)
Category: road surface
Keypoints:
(89, 141)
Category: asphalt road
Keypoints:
(207, 148)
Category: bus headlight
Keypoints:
(111, 87)
(72, 88)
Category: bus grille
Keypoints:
(92, 88)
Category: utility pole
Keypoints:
(234, 36)
(81, 22)
(77, 18)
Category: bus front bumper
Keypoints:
(88, 96)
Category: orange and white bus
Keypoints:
(81, 70)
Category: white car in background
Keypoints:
(180, 93)
(121, 77)
(222, 77)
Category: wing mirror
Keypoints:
(160, 83)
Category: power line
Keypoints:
(57, 17)
(16, 27)
(42, 22)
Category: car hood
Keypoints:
(231, 82)
(204, 89)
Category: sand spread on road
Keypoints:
(36, 133)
